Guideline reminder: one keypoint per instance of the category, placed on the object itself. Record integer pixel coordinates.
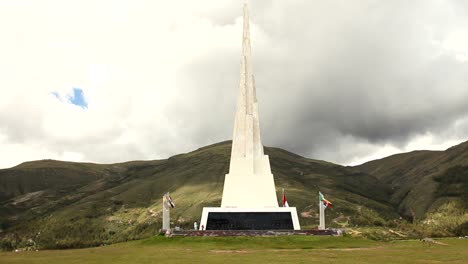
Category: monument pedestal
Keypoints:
(219, 218)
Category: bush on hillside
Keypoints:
(6, 245)
(454, 183)
(461, 230)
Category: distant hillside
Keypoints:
(417, 178)
(56, 204)
(67, 204)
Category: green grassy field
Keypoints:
(293, 249)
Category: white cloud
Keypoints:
(160, 77)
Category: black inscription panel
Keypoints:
(250, 221)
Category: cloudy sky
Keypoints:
(338, 80)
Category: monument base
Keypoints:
(220, 218)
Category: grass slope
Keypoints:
(416, 178)
(295, 249)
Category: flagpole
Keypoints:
(282, 198)
(322, 215)
(166, 217)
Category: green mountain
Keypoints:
(56, 204)
(422, 181)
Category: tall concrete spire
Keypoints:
(246, 137)
(249, 196)
(249, 169)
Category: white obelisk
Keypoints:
(249, 187)
(249, 169)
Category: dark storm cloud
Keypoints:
(327, 70)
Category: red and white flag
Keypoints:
(168, 202)
(325, 202)
(285, 201)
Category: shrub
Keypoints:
(461, 230)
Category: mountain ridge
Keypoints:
(413, 172)
(73, 204)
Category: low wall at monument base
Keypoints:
(279, 218)
(264, 233)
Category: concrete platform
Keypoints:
(264, 233)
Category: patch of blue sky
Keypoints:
(78, 98)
